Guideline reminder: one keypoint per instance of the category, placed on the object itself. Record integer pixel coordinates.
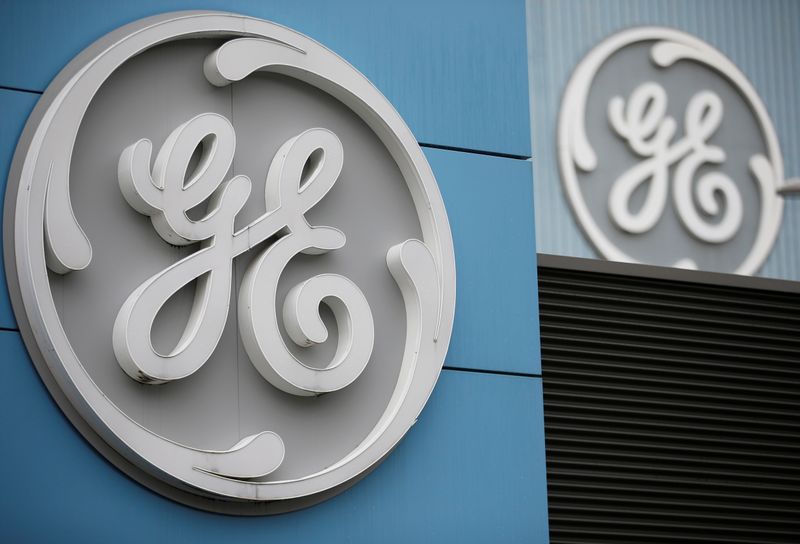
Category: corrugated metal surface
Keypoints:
(761, 37)
(672, 409)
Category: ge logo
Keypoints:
(231, 262)
(668, 155)
(302, 172)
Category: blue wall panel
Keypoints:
(472, 469)
(14, 110)
(467, 472)
(489, 203)
(439, 62)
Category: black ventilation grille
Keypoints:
(672, 409)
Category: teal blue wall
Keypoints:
(472, 469)
(762, 37)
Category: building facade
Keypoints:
(472, 468)
(636, 395)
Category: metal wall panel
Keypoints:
(489, 204)
(466, 472)
(439, 63)
(672, 408)
(472, 469)
(760, 37)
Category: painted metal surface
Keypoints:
(437, 62)
(471, 470)
(758, 37)
(489, 205)
(501, 308)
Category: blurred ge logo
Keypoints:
(668, 156)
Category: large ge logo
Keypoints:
(229, 260)
(668, 156)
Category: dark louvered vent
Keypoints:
(672, 408)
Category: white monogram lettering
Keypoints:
(304, 169)
(643, 122)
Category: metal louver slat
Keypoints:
(672, 404)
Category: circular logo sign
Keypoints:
(229, 260)
(668, 156)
